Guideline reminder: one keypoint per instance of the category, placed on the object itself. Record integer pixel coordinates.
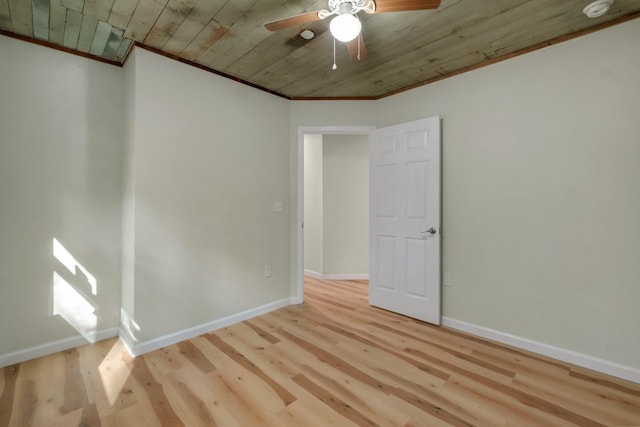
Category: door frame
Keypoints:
(302, 131)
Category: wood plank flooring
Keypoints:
(333, 361)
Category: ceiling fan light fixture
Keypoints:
(345, 27)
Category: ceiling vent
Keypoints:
(597, 8)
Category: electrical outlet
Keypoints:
(446, 280)
(267, 270)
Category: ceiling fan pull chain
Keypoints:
(334, 54)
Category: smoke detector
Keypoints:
(597, 8)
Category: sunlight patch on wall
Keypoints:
(64, 256)
(129, 325)
(74, 308)
(69, 300)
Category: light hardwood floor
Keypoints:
(331, 361)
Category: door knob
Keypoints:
(432, 230)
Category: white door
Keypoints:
(404, 235)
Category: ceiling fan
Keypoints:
(346, 26)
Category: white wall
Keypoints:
(541, 199)
(209, 160)
(127, 307)
(346, 204)
(60, 178)
(313, 203)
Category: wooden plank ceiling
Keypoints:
(404, 49)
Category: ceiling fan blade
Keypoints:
(292, 21)
(357, 53)
(383, 6)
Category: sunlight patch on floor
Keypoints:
(114, 372)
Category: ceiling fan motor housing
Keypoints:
(345, 7)
(340, 7)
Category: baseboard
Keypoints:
(138, 348)
(54, 347)
(321, 276)
(127, 340)
(345, 277)
(569, 356)
(313, 274)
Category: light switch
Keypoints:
(277, 206)
(446, 279)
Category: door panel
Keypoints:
(416, 268)
(405, 219)
(386, 269)
(385, 200)
(417, 190)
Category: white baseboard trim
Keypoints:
(313, 274)
(138, 348)
(346, 277)
(30, 353)
(569, 356)
(321, 276)
(126, 340)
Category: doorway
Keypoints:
(334, 134)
